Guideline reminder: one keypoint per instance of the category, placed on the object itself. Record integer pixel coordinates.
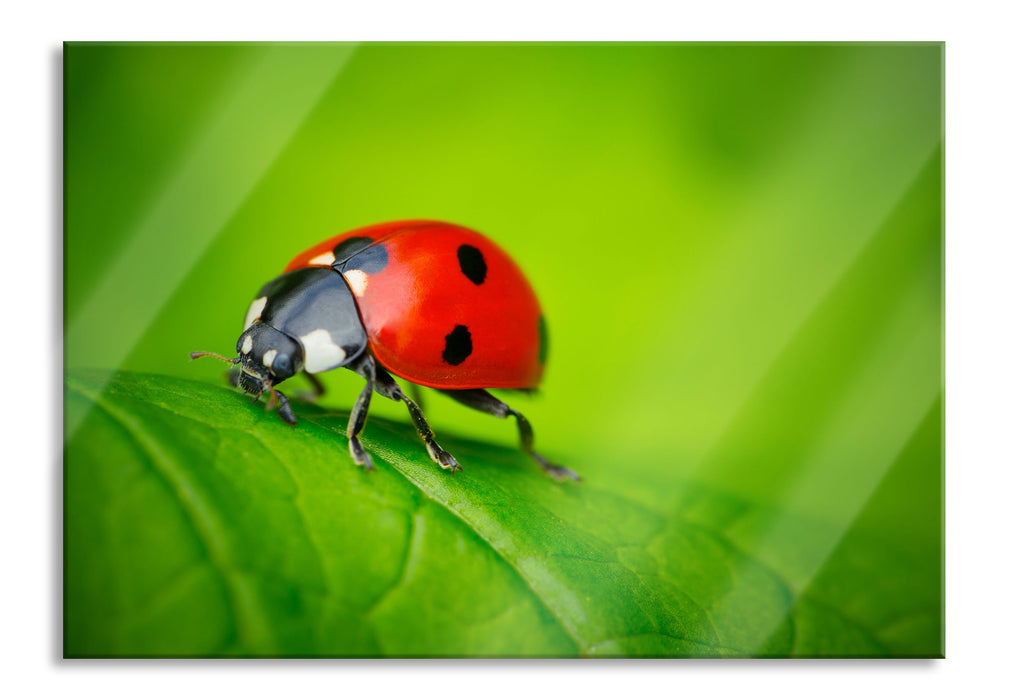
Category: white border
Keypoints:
(977, 347)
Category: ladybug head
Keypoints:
(268, 357)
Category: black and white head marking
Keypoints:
(255, 309)
(321, 351)
(314, 307)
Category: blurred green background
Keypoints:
(738, 247)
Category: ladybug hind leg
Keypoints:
(387, 387)
(481, 400)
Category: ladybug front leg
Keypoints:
(483, 401)
(366, 368)
(387, 387)
(284, 409)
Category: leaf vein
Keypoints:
(196, 511)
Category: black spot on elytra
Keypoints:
(472, 263)
(543, 340)
(346, 249)
(458, 345)
(360, 254)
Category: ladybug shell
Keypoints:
(442, 305)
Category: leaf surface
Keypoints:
(196, 525)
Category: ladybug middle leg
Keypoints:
(366, 368)
(481, 400)
(387, 387)
(416, 395)
(318, 390)
(377, 379)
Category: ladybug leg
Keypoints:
(284, 409)
(416, 395)
(483, 401)
(387, 387)
(317, 386)
(278, 400)
(366, 368)
(317, 389)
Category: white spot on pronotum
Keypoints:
(269, 357)
(255, 309)
(321, 353)
(325, 259)
(247, 345)
(357, 280)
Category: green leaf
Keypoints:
(196, 524)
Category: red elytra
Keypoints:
(423, 294)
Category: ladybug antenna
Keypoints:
(230, 361)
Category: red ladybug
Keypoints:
(434, 303)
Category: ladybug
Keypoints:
(436, 304)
